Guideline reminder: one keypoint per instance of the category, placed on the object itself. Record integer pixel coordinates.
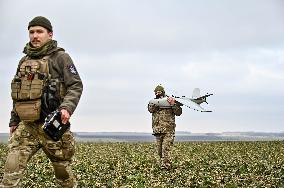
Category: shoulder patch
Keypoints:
(72, 69)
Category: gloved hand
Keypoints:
(12, 129)
(178, 104)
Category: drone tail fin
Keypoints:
(196, 93)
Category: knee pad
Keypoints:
(12, 163)
(61, 170)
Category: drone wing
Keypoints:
(203, 97)
(188, 102)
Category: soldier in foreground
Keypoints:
(46, 80)
(163, 124)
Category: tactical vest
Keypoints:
(27, 87)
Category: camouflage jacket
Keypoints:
(60, 67)
(163, 120)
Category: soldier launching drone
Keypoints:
(164, 109)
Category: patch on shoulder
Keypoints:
(72, 69)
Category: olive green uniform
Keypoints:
(29, 137)
(163, 125)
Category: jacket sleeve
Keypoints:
(152, 108)
(72, 83)
(177, 110)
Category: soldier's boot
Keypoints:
(63, 174)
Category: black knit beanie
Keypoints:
(41, 21)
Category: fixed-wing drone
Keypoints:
(193, 103)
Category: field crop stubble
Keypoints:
(195, 164)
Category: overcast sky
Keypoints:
(123, 49)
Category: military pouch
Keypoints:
(25, 89)
(36, 89)
(28, 110)
(29, 81)
(15, 87)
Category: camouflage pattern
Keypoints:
(27, 139)
(164, 143)
(61, 67)
(163, 125)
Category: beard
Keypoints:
(158, 96)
